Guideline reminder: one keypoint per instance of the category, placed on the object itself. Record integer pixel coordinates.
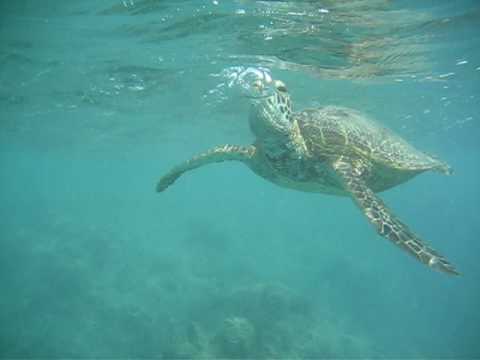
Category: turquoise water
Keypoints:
(100, 98)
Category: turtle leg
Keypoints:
(385, 222)
(217, 154)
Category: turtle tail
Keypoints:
(440, 166)
(443, 168)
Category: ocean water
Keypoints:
(100, 98)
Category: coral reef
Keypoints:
(235, 338)
(179, 311)
(270, 321)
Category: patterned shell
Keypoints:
(334, 131)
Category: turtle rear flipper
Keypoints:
(217, 154)
(385, 221)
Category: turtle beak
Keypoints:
(257, 90)
(258, 85)
(261, 88)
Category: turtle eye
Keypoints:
(280, 86)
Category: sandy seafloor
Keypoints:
(99, 98)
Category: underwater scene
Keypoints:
(210, 179)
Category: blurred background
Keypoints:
(100, 98)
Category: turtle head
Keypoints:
(271, 113)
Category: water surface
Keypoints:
(99, 98)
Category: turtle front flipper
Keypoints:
(384, 220)
(217, 154)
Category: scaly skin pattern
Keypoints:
(217, 154)
(387, 224)
(331, 150)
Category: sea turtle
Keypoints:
(334, 150)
